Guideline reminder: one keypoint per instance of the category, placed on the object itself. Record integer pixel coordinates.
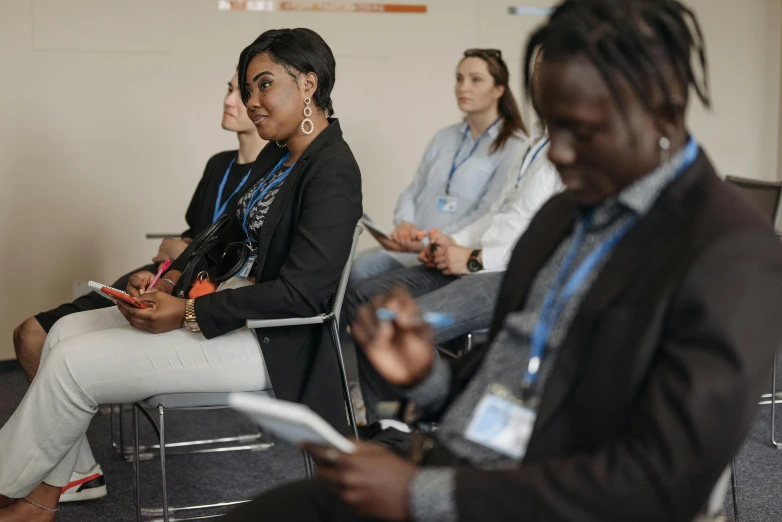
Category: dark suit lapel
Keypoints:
(530, 254)
(655, 235)
(283, 197)
(276, 209)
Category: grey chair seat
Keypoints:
(195, 400)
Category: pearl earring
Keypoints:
(665, 147)
(307, 120)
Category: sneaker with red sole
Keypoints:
(85, 486)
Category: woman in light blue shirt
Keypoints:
(464, 169)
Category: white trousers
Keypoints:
(96, 357)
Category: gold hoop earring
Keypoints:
(307, 120)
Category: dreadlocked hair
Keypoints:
(641, 40)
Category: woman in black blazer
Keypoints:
(298, 223)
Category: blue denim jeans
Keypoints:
(469, 299)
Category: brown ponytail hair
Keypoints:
(512, 121)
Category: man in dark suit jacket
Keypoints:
(633, 332)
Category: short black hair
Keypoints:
(641, 40)
(296, 50)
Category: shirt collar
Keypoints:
(492, 132)
(642, 194)
(639, 196)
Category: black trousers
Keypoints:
(304, 501)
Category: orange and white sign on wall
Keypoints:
(330, 7)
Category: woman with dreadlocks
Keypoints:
(636, 316)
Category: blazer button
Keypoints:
(265, 340)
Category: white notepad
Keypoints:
(290, 421)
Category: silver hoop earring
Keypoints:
(665, 147)
(307, 120)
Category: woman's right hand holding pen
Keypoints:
(139, 282)
(401, 350)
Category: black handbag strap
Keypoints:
(201, 253)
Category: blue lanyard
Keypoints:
(262, 190)
(523, 170)
(558, 295)
(454, 166)
(220, 209)
(563, 290)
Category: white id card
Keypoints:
(502, 425)
(244, 273)
(447, 204)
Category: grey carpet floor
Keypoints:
(192, 479)
(198, 479)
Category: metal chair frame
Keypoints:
(741, 183)
(473, 338)
(772, 398)
(331, 317)
(248, 442)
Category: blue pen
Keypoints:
(433, 319)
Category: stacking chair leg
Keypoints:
(165, 512)
(117, 420)
(121, 432)
(254, 442)
(309, 466)
(112, 422)
(468, 344)
(773, 401)
(345, 384)
(136, 464)
(734, 487)
(161, 426)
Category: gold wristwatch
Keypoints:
(190, 318)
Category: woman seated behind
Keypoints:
(464, 168)
(298, 222)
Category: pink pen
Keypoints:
(163, 268)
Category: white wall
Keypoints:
(110, 108)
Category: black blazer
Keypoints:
(658, 379)
(304, 245)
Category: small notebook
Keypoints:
(99, 289)
(112, 294)
(374, 228)
(290, 421)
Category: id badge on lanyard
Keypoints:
(502, 423)
(447, 204)
(246, 270)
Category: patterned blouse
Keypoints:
(258, 213)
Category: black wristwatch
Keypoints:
(474, 263)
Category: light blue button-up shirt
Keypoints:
(475, 186)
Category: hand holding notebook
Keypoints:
(113, 294)
(290, 421)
